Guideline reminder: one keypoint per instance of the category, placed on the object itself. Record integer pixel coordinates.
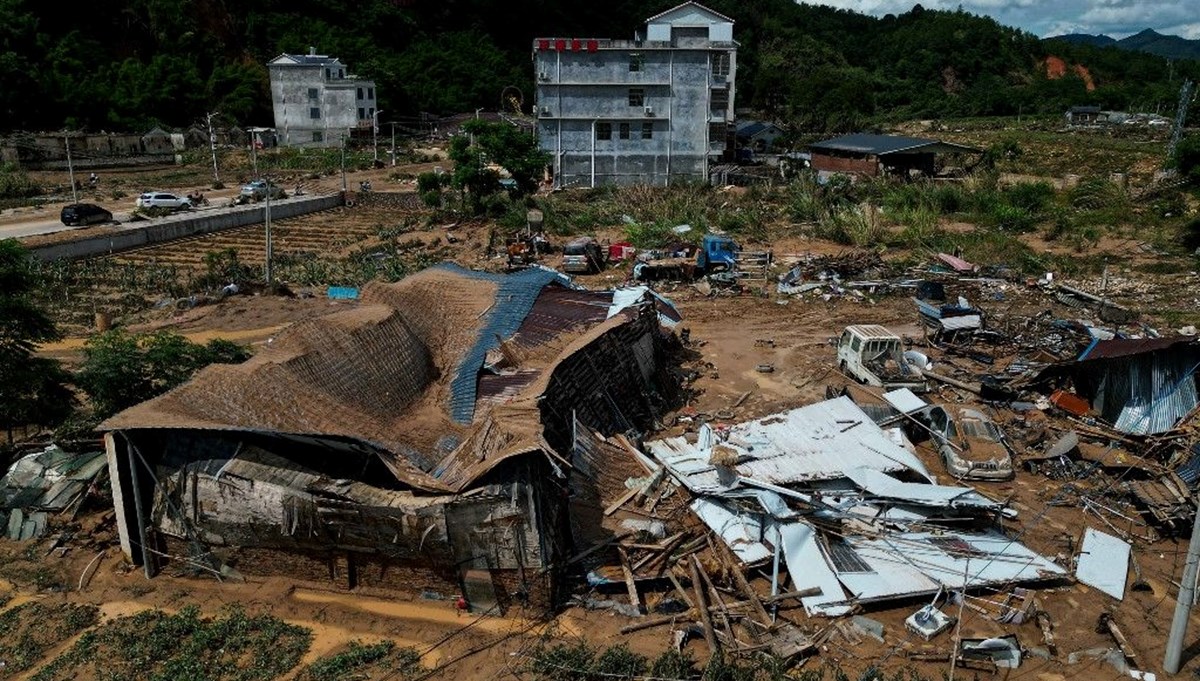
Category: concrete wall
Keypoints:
(183, 225)
(578, 89)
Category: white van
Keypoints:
(871, 354)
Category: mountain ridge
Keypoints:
(1147, 40)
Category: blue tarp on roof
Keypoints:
(515, 295)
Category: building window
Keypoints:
(371, 113)
(604, 131)
(716, 133)
(329, 74)
(647, 131)
(370, 93)
(361, 113)
(360, 96)
(719, 100)
(312, 93)
(636, 61)
(637, 96)
(314, 112)
(318, 136)
(720, 65)
(624, 131)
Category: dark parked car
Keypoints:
(84, 214)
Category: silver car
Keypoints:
(163, 200)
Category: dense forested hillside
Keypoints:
(125, 65)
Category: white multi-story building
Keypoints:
(650, 110)
(316, 101)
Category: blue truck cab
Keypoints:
(716, 253)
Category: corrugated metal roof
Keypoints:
(816, 442)
(1124, 347)
(515, 296)
(885, 486)
(1103, 563)
(881, 145)
(872, 331)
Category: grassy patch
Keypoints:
(365, 662)
(155, 646)
(30, 629)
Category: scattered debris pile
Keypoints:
(44, 483)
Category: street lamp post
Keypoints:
(375, 133)
(212, 145)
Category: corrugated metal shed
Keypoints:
(1141, 392)
(1125, 347)
(816, 442)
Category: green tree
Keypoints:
(1186, 159)
(483, 143)
(32, 389)
(120, 369)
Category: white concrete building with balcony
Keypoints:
(651, 110)
(317, 102)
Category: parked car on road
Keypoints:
(970, 444)
(84, 214)
(163, 200)
(257, 190)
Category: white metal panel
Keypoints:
(815, 442)
(891, 576)
(883, 485)
(1103, 563)
(808, 568)
(904, 400)
(741, 531)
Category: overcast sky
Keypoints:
(1117, 18)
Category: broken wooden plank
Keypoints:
(802, 593)
(710, 638)
(655, 622)
(679, 588)
(732, 564)
(1106, 623)
(634, 599)
(587, 552)
(629, 494)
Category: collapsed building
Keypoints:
(413, 443)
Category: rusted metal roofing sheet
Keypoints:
(1125, 347)
(815, 442)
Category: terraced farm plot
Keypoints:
(329, 234)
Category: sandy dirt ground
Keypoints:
(732, 336)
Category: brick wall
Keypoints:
(840, 164)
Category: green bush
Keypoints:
(15, 183)
(1033, 197)
(1011, 218)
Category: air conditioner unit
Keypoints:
(545, 111)
(542, 75)
(649, 111)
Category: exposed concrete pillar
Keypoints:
(114, 477)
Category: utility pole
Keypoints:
(1183, 604)
(212, 145)
(270, 250)
(70, 168)
(344, 161)
(393, 142)
(254, 150)
(375, 133)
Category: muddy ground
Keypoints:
(731, 336)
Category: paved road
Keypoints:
(45, 224)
